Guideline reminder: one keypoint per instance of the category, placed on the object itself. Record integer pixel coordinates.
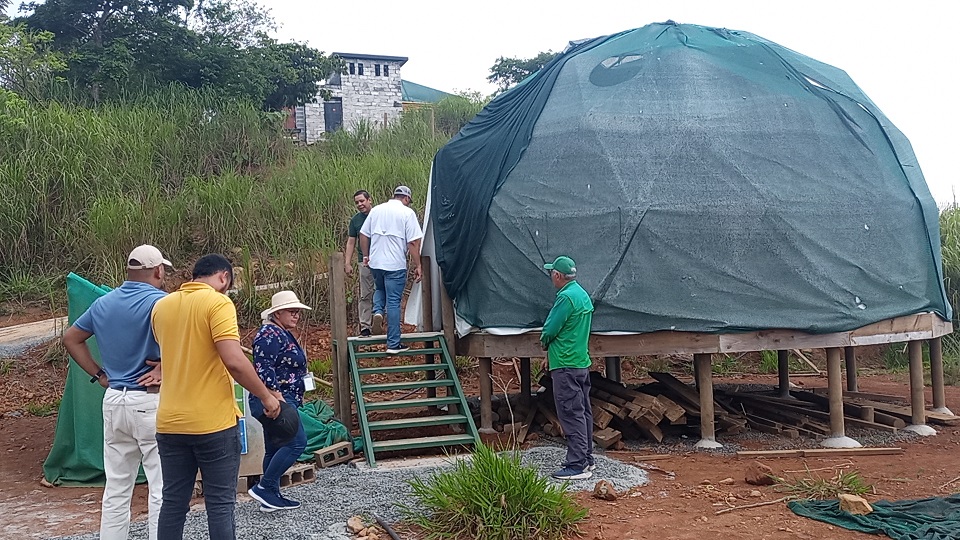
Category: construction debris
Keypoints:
(854, 504)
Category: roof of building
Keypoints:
(412, 91)
(355, 56)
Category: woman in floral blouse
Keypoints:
(282, 365)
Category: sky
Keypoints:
(904, 58)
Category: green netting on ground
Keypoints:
(936, 518)
(703, 179)
(322, 430)
(76, 458)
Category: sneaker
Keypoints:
(267, 498)
(569, 473)
(376, 327)
(591, 467)
(266, 509)
(365, 332)
(398, 350)
(290, 504)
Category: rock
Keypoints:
(855, 505)
(706, 483)
(756, 494)
(726, 482)
(758, 474)
(604, 490)
(355, 524)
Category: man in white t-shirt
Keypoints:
(389, 232)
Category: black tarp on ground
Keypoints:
(703, 179)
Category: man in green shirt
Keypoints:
(564, 336)
(365, 305)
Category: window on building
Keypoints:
(386, 70)
(353, 68)
(376, 69)
(360, 68)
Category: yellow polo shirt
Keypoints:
(196, 396)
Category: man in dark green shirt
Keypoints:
(564, 336)
(365, 305)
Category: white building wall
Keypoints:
(364, 97)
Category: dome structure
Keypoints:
(703, 180)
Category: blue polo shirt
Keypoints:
(120, 320)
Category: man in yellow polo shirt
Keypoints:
(199, 339)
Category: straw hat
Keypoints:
(283, 300)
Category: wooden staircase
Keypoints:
(437, 370)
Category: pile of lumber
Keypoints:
(646, 412)
(808, 413)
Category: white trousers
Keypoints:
(129, 438)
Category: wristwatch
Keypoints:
(96, 377)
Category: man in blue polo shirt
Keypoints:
(131, 375)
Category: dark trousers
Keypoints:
(277, 459)
(217, 456)
(571, 394)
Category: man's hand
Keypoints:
(271, 406)
(348, 267)
(366, 260)
(417, 274)
(277, 395)
(152, 377)
(104, 381)
(544, 366)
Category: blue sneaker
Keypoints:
(267, 498)
(569, 473)
(289, 504)
(266, 509)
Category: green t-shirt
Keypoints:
(354, 231)
(566, 332)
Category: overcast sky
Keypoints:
(904, 58)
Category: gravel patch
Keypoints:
(341, 492)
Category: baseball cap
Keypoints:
(282, 429)
(564, 265)
(403, 190)
(146, 256)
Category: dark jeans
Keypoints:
(217, 455)
(571, 394)
(389, 290)
(276, 460)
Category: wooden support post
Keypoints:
(525, 395)
(696, 373)
(936, 376)
(338, 328)
(486, 396)
(426, 295)
(449, 319)
(613, 368)
(708, 435)
(918, 418)
(838, 438)
(783, 370)
(850, 358)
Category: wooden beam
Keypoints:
(835, 387)
(850, 360)
(820, 452)
(486, 395)
(338, 329)
(783, 372)
(921, 326)
(705, 385)
(915, 353)
(936, 374)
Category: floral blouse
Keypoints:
(280, 361)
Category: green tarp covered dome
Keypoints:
(703, 179)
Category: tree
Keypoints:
(111, 45)
(507, 72)
(26, 62)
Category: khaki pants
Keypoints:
(365, 305)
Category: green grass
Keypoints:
(45, 409)
(320, 367)
(818, 488)
(726, 365)
(493, 497)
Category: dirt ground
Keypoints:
(680, 505)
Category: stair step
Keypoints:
(435, 383)
(442, 366)
(407, 403)
(410, 352)
(423, 442)
(404, 338)
(418, 421)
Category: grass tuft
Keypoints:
(818, 488)
(492, 496)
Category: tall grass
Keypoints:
(191, 174)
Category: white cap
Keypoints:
(283, 300)
(146, 256)
(403, 190)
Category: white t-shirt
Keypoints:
(390, 227)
